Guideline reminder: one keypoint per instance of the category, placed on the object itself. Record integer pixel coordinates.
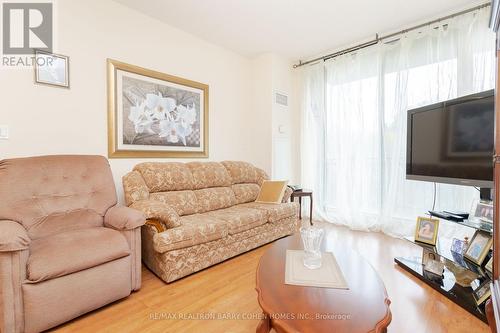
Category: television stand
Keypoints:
(456, 268)
(471, 222)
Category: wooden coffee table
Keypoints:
(287, 308)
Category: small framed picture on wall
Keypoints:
(426, 230)
(51, 69)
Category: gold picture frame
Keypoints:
(429, 254)
(51, 69)
(478, 247)
(426, 230)
(162, 135)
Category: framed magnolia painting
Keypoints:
(152, 114)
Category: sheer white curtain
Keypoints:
(354, 122)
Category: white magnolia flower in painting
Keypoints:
(144, 126)
(186, 115)
(173, 122)
(184, 130)
(135, 113)
(174, 132)
(142, 122)
(160, 106)
(168, 130)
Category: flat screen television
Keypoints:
(452, 142)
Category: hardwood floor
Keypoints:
(227, 291)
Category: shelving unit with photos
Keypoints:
(493, 305)
(461, 278)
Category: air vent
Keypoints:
(281, 99)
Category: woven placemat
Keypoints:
(328, 275)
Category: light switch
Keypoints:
(4, 132)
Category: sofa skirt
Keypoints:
(175, 264)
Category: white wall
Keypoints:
(262, 94)
(282, 120)
(47, 120)
(273, 73)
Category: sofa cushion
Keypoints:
(183, 202)
(240, 218)
(242, 172)
(214, 198)
(209, 174)
(246, 192)
(275, 212)
(195, 229)
(162, 177)
(73, 251)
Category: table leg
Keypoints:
(311, 211)
(300, 208)
(264, 325)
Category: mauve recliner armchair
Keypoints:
(65, 247)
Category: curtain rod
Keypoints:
(379, 39)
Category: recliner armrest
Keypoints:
(159, 211)
(13, 236)
(123, 218)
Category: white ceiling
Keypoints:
(297, 29)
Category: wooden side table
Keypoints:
(300, 194)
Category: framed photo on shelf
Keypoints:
(426, 230)
(478, 247)
(489, 265)
(429, 254)
(458, 246)
(482, 293)
(459, 259)
(484, 211)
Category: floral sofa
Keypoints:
(202, 213)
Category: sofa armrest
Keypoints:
(123, 218)
(287, 195)
(261, 176)
(13, 236)
(134, 188)
(156, 210)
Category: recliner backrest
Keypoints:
(51, 194)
